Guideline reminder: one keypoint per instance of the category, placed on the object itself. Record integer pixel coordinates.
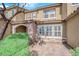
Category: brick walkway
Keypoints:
(51, 49)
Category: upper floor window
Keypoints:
(49, 14)
(7, 15)
(12, 12)
(34, 15)
(75, 4)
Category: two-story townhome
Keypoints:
(49, 23)
(44, 22)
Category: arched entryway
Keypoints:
(21, 28)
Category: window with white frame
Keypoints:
(57, 30)
(50, 30)
(34, 15)
(41, 30)
(49, 14)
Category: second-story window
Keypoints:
(34, 15)
(12, 12)
(7, 15)
(49, 14)
(75, 4)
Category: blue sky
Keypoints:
(37, 5)
(29, 6)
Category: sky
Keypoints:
(29, 6)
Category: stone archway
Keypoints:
(30, 27)
(21, 28)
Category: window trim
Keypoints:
(33, 17)
(49, 14)
(52, 31)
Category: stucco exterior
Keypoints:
(40, 14)
(70, 30)
(73, 31)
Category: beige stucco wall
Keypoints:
(64, 10)
(58, 14)
(1, 22)
(64, 31)
(20, 17)
(40, 14)
(73, 31)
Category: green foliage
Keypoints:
(75, 51)
(15, 45)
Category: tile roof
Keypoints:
(72, 14)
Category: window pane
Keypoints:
(57, 30)
(34, 15)
(55, 33)
(45, 30)
(12, 12)
(46, 16)
(59, 34)
(51, 13)
(42, 30)
(49, 30)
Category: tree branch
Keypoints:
(4, 8)
(24, 5)
(16, 14)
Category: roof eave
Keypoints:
(72, 15)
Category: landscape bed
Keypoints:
(15, 45)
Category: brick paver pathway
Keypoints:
(51, 49)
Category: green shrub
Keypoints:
(15, 44)
(75, 51)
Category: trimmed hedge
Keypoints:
(15, 45)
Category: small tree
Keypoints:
(7, 21)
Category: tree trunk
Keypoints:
(5, 28)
